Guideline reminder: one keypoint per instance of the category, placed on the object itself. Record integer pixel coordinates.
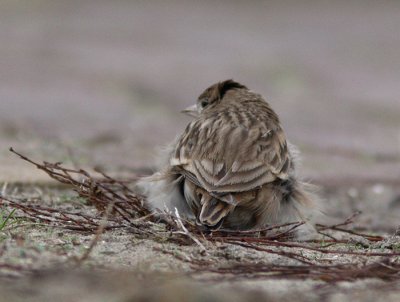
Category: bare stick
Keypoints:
(96, 238)
(187, 233)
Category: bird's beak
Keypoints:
(191, 111)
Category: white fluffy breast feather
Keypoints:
(162, 189)
(164, 193)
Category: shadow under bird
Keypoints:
(232, 167)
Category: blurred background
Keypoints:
(102, 82)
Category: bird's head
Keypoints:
(212, 96)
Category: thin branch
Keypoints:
(186, 232)
(97, 236)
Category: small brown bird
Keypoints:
(232, 166)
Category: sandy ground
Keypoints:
(101, 83)
(38, 262)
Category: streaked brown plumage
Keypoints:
(232, 166)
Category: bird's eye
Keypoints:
(203, 104)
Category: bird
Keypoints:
(232, 167)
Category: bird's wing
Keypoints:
(228, 158)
